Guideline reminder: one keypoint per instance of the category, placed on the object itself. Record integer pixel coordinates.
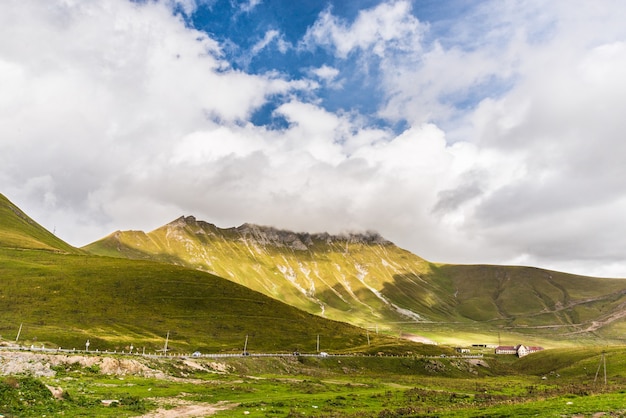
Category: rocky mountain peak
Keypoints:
(270, 236)
(190, 220)
(267, 235)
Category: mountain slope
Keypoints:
(18, 230)
(55, 294)
(366, 280)
(337, 277)
(531, 298)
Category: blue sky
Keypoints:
(283, 24)
(464, 131)
(271, 36)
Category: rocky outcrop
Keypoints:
(280, 238)
(265, 235)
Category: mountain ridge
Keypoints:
(360, 279)
(367, 280)
(185, 241)
(19, 230)
(265, 234)
(61, 296)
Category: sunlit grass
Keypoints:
(349, 387)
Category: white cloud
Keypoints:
(326, 73)
(101, 88)
(248, 6)
(387, 26)
(534, 93)
(271, 36)
(328, 76)
(187, 6)
(115, 115)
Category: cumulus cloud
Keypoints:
(270, 36)
(248, 6)
(562, 119)
(328, 75)
(535, 93)
(93, 91)
(387, 27)
(118, 115)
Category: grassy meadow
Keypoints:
(65, 299)
(554, 383)
(372, 283)
(55, 295)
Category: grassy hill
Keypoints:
(362, 279)
(368, 281)
(18, 230)
(539, 302)
(63, 296)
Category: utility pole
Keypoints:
(368, 337)
(318, 343)
(18, 333)
(167, 337)
(602, 362)
(245, 345)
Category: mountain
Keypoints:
(368, 281)
(18, 230)
(360, 278)
(52, 293)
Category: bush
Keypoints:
(133, 403)
(20, 394)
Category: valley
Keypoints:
(141, 304)
(561, 382)
(369, 282)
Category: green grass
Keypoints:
(348, 277)
(60, 296)
(18, 230)
(63, 295)
(324, 387)
(65, 299)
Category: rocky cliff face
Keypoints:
(270, 236)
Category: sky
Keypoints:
(463, 131)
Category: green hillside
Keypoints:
(61, 296)
(368, 281)
(362, 279)
(532, 297)
(17, 230)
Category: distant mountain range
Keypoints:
(368, 281)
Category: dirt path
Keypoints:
(185, 409)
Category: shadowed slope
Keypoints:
(18, 230)
(64, 296)
(366, 280)
(532, 298)
(360, 278)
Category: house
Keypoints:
(533, 349)
(520, 350)
(506, 349)
(462, 350)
